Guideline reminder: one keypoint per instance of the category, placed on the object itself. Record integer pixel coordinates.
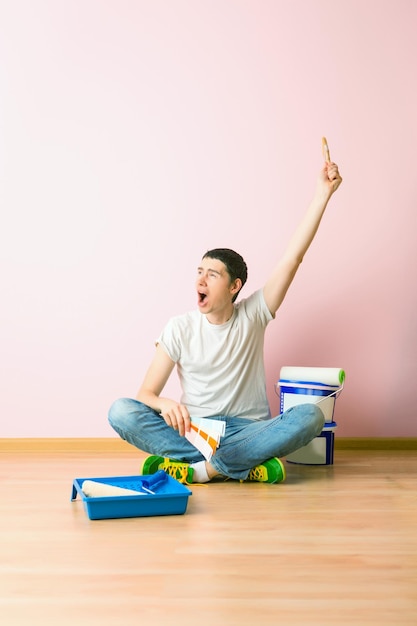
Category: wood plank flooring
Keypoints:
(333, 545)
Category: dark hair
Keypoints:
(235, 264)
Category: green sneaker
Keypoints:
(177, 469)
(271, 471)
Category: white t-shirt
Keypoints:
(221, 367)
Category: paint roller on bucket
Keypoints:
(300, 385)
(317, 385)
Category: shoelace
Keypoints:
(258, 473)
(179, 472)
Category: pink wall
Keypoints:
(135, 135)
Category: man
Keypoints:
(218, 351)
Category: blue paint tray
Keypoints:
(160, 494)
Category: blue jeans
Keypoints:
(246, 443)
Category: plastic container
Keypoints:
(169, 497)
(320, 451)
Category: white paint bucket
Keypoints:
(294, 393)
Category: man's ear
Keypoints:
(236, 286)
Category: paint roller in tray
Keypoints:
(97, 489)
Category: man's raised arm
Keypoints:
(282, 276)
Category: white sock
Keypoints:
(200, 472)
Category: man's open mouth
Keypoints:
(201, 297)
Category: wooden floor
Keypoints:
(333, 545)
